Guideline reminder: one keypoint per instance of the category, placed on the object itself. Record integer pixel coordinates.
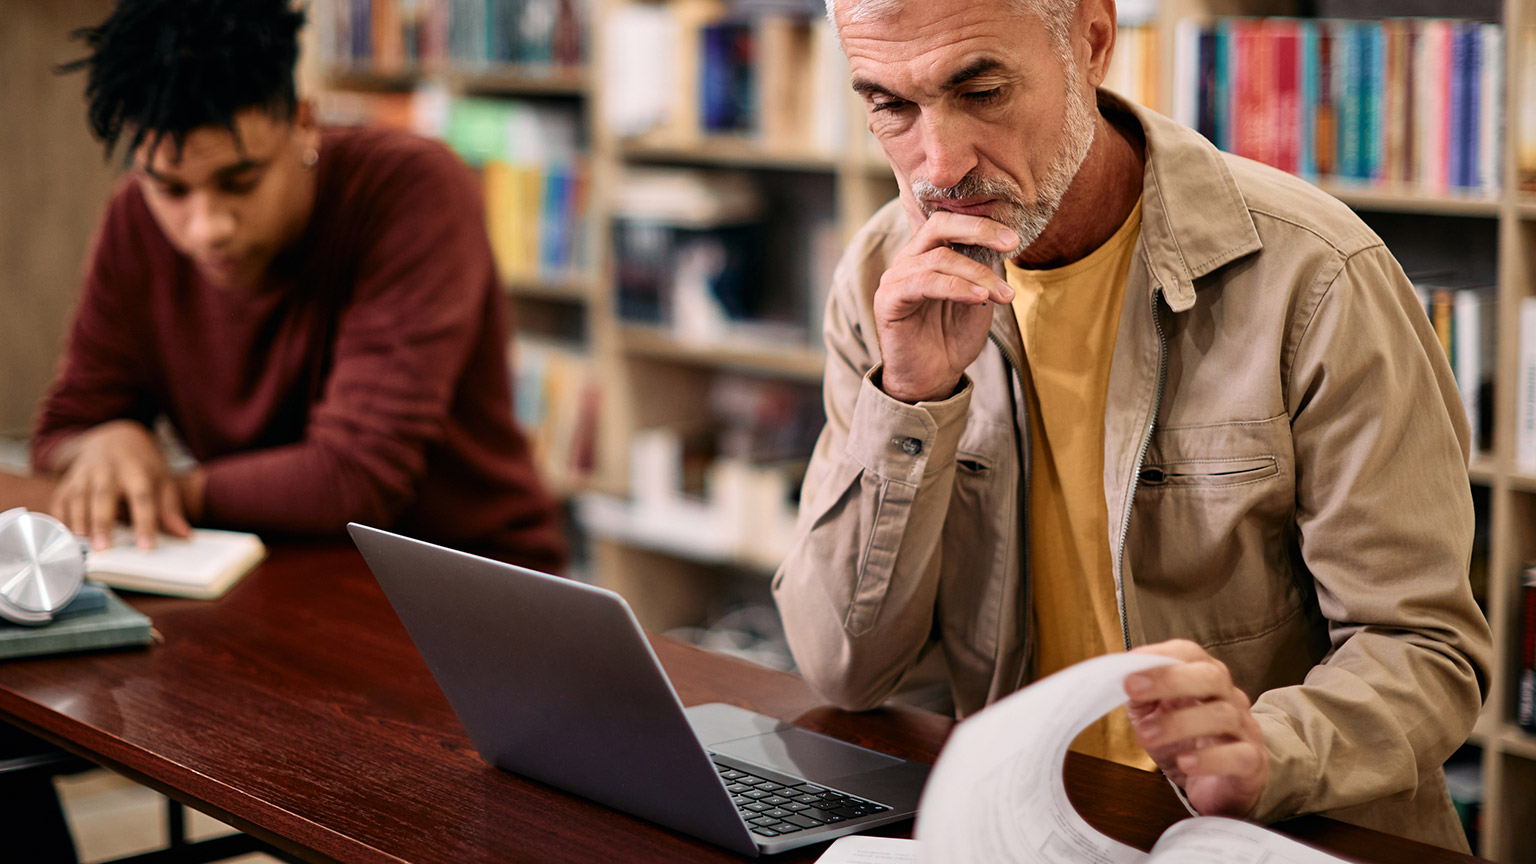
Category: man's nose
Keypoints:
(948, 155)
(211, 224)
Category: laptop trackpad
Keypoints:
(806, 754)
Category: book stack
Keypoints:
(535, 179)
(678, 72)
(1407, 102)
(1525, 697)
(557, 398)
(1466, 323)
(390, 37)
(688, 250)
(93, 620)
(1134, 67)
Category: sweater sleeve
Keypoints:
(400, 347)
(103, 374)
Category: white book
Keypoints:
(1186, 71)
(997, 792)
(204, 565)
(1474, 321)
(1490, 134)
(1525, 412)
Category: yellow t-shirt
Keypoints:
(1068, 318)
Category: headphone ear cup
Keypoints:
(42, 565)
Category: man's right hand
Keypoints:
(933, 306)
(107, 465)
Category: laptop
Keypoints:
(554, 680)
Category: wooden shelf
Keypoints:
(491, 80)
(572, 288)
(763, 358)
(521, 81)
(1482, 471)
(1388, 199)
(736, 152)
(1525, 205)
(1522, 481)
(1519, 742)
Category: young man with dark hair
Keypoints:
(315, 311)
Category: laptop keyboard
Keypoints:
(772, 808)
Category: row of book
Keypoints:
(531, 159)
(1466, 323)
(557, 398)
(536, 180)
(1135, 67)
(1416, 102)
(394, 36)
(676, 72)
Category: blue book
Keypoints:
(1205, 122)
(1346, 96)
(1456, 111)
(1222, 92)
(114, 624)
(1372, 59)
(1471, 31)
(1306, 127)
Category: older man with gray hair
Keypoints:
(1094, 386)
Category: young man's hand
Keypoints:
(1198, 726)
(932, 309)
(108, 465)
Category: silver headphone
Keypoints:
(42, 565)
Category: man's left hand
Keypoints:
(1199, 728)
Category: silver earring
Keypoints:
(311, 156)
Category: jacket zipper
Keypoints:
(1028, 448)
(1141, 456)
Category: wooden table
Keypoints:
(296, 709)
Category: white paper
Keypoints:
(997, 795)
(1213, 840)
(854, 849)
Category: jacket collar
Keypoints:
(1193, 217)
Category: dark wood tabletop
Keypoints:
(296, 709)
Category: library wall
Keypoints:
(50, 162)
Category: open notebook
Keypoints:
(204, 565)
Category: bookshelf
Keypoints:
(657, 375)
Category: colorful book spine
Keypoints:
(1399, 101)
(1525, 698)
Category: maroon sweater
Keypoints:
(364, 379)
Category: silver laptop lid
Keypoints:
(554, 680)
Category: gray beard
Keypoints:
(1028, 220)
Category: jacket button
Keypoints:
(910, 446)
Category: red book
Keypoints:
(1285, 46)
(1251, 79)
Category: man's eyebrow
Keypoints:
(241, 167)
(866, 87)
(974, 69)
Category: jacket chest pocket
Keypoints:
(1212, 526)
(1210, 473)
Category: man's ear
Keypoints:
(1095, 31)
(305, 125)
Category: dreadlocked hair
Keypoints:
(161, 68)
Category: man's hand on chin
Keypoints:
(1199, 728)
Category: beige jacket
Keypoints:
(1285, 473)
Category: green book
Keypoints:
(116, 625)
